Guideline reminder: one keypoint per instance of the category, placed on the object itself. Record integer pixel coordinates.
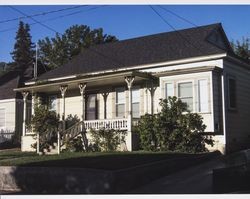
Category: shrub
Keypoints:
(174, 129)
(106, 139)
(75, 145)
(71, 120)
(45, 123)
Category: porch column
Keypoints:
(105, 96)
(82, 87)
(152, 93)
(25, 95)
(129, 80)
(63, 90)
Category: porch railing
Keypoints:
(106, 123)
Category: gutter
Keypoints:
(145, 66)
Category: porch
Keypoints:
(117, 108)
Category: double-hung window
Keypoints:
(136, 103)
(2, 118)
(185, 94)
(169, 90)
(120, 102)
(203, 95)
(91, 109)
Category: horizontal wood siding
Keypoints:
(237, 121)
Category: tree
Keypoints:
(45, 123)
(59, 50)
(23, 53)
(242, 48)
(173, 129)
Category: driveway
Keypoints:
(194, 180)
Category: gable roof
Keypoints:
(150, 49)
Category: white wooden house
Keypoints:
(113, 84)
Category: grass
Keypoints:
(107, 161)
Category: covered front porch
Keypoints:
(113, 101)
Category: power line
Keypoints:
(44, 25)
(178, 32)
(42, 14)
(180, 17)
(96, 52)
(55, 18)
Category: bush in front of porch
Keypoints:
(175, 128)
(106, 139)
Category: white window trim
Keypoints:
(208, 96)
(4, 127)
(137, 88)
(164, 88)
(125, 104)
(193, 90)
(228, 93)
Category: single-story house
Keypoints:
(11, 103)
(111, 85)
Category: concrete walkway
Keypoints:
(194, 180)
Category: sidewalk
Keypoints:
(194, 180)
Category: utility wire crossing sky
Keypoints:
(122, 21)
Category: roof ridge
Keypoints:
(157, 34)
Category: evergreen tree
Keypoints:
(59, 50)
(23, 54)
(242, 48)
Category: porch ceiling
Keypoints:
(92, 81)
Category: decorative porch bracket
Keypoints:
(129, 80)
(25, 95)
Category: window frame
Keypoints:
(139, 101)
(4, 123)
(193, 92)
(198, 96)
(87, 108)
(116, 110)
(165, 88)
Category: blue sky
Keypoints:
(124, 21)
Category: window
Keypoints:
(232, 92)
(136, 103)
(53, 102)
(91, 107)
(185, 94)
(169, 90)
(2, 117)
(120, 102)
(203, 95)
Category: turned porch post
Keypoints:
(129, 80)
(25, 95)
(105, 96)
(82, 87)
(63, 90)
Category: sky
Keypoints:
(123, 21)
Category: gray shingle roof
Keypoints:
(8, 82)
(156, 48)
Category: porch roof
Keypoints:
(93, 81)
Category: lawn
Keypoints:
(107, 161)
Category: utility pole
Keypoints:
(35, 65)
